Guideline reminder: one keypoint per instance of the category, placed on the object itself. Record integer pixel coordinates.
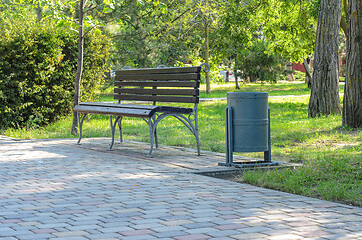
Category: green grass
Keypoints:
(220, 90)
(274, 89)
(331, 156)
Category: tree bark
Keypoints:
(308, 77)
(39, 12)
(235, 71)
(352, 101)
(324, 99)
(78, 75)
(290, 75)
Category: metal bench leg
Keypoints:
(120, 129)
(113, 129)
(155, 131)
(152, 136)
(80, 124)
(156, 139)
(197, 138)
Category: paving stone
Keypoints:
(72, 238)
(247, 236)
(176, 222)
(168, 229)
(285, 237)
(169, 234)
(44, 230)
(315, 234)
(193, 237)
(70, 234)
(86, 227)
(111, 235)
(255, 229)
(201, 230)
(222, 233)
(7, 232)
(199, 225)
(136, 232)
(147, 226)
(232, 226)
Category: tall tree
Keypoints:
(324, 99)
(235, 32)
(205, 14)
(78, 75)
(207, 22)
(352, 101)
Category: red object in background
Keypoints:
(298, 67)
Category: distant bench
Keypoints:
(149, 86)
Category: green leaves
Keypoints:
(37, 68)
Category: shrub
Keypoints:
(257, 64)
(299, 76)
(37, 71)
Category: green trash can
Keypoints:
(249, 121)
(247, 126)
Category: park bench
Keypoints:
(143, 90)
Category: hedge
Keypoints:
(37, 71)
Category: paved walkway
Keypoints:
(57, 189)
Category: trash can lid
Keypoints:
(247, 95)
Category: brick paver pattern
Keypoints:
(57, 189)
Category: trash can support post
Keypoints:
(267, 154)
(229, 137)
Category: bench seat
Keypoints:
(127, 110)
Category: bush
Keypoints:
(299, 76)
(37, 71)
(257, 64)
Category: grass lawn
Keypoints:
(219, 90)
(331, 156)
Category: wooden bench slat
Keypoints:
(118, 105)
(174, 109)
(88, 107)
(170, 77)
(142, 91)
(194, 84)
(157, 98)
(114, 111)
(159, 70)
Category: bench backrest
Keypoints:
(176, 84)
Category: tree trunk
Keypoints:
(237, 82)
(352, 101)
(324, 99)
(252, 78)
(78, 75)
(308, 76)
(290, 75)
(207, 76)
(227, 76)
(39, 12)
(235, 71)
